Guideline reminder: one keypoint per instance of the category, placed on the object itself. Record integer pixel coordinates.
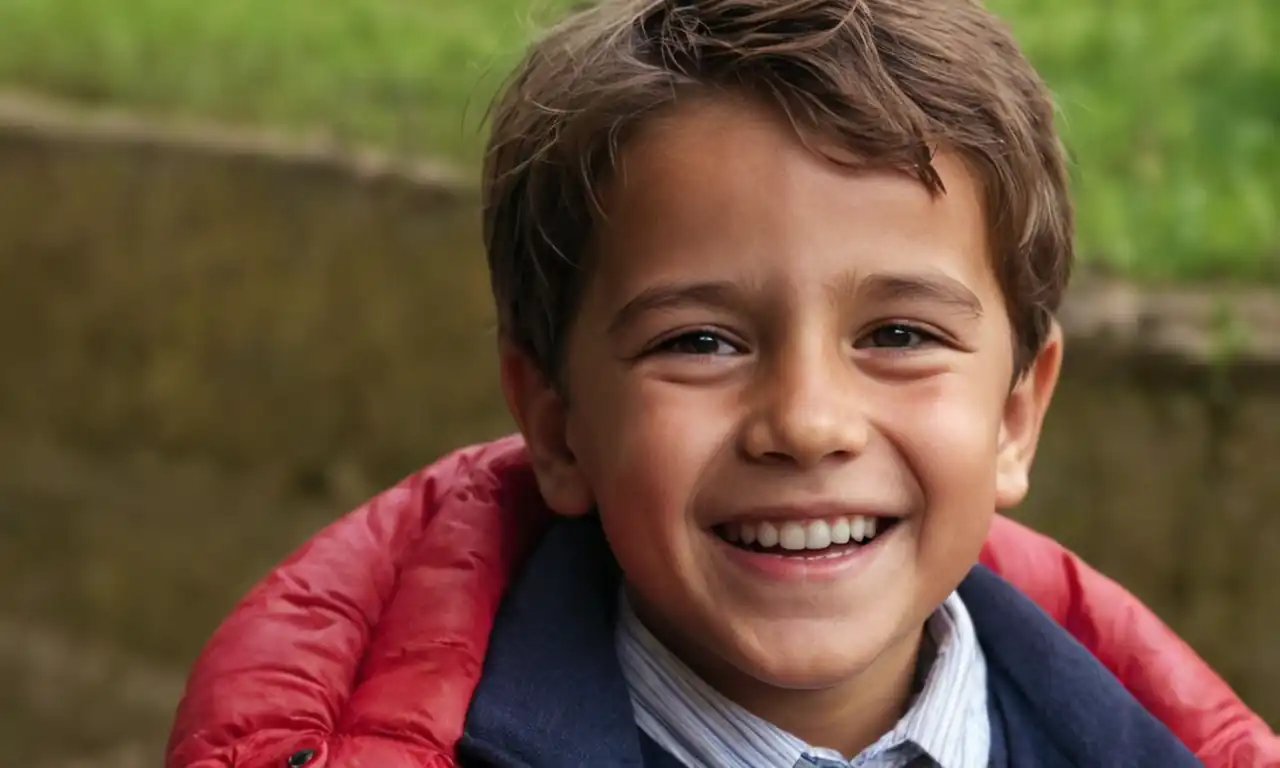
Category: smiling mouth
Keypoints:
(805, 538)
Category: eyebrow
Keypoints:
(668, 296)
(937, 289)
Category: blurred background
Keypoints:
(241, 290)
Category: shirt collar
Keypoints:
(948, 720)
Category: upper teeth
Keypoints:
(809, 534)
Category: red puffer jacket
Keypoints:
(364, 647)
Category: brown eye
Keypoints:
(896, 336)
(699, 343)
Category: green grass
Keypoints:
(1171, 107)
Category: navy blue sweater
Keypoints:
(553, 696)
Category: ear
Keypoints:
(1023, 418)
(541, 414)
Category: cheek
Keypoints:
(650, 445)
(650, 453)
(949, 430)
(948, 435)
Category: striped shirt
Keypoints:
(946, 725)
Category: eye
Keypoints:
(896, 336)
(699, 343)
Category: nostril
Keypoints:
(301, 758)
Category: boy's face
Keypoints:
(774, 347)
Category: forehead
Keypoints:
(724, 189)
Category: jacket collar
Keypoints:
(1052, 695)
(552, 694)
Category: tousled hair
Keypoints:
(890, 81)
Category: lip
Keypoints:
(801, 568)
(803, 512)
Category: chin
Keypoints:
(815, 664)
(828, 673)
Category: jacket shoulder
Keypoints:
(370, 629)
(1156, 666)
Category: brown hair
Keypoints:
(890, 80)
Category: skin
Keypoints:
(765, 329)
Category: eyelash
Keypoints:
(922, 335)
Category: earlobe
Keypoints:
(1023, 418)
(541, 415)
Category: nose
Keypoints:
(807, 410)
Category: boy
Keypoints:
(775, 282)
